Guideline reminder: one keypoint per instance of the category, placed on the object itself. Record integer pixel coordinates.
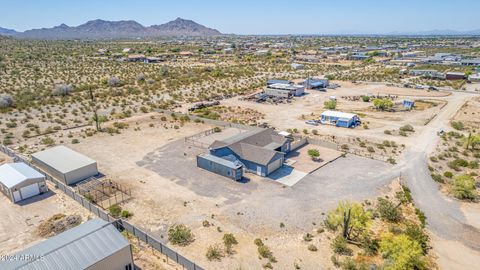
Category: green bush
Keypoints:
(383, 103)
(448, 174)
(417, 234)
(388, 211)
(407, 128)
(464, 187)
(126, 214)
(370, 246)
(457, 125)
(180, 235)
(115, 210)
(229, 240)
(330, 104)
(214, 253)
(339, 246)
(264, 251)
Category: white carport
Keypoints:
(18, 181)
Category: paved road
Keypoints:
(444, 216)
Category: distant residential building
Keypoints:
(93, 245)
(274, 81)
(339, 119)
(432, 74)
(470, 62)
(315, 83)
(228, 51)
(136, 58)
(297, 66)
(284, 90)
(408, 104)
(262, 52)
(455, 76)
(127, 50)
(474, 77)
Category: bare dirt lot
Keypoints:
(310, 106)
(19, 221)
(168, 189)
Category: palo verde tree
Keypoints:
(351, 217)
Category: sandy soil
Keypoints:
(19, 221)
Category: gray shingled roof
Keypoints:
(77, 248)
(256, 146)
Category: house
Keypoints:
(18, 181)
(455, 75)
(284, 90)
(127, 50)
(297, 66)
(432, 74)
(274, 81)
(474, 77)
(136, 58)
(259, 151)
(315, 83)
(339, 119)
(262, 52)
(153, 59)
(225, 166)
(408, 104)
(94, 245)
(65, 164)
(470, 62)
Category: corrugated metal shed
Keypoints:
(338, 114)
(12, 174)
(63, 159)
(222, 161)
(77, 248)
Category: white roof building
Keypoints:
(338, 114)
(18, 181)
(65, 164)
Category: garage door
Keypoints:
(274, 165)
(29, 191)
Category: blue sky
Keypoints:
(254, 17)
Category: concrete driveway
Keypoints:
(287, 175)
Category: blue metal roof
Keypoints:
(77, 248)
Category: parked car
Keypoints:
(433, 88)
(312, 122)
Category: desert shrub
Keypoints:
(312, 247)
(258, 242)
(464, 187)
(264, 251)
(417, 234)
(388, 211)
(401, 252)
(217, 129)
(114, 81)
(457, 125)
(366, 98)
(369, 245)
(448, 174)
(407, 128)
(62, 89)
(330, 104)
(339, 246)
(229, 240)
(214, 253)
(6, 101)
(437, 178)
(308, 237)
(383, 104)
(421, 216)
(388, 132)
(126, 214)
(115, 210)
(180, 235)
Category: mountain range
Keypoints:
(101, 29)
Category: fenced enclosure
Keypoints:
(120, 224)
(103, 192)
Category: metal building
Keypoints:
(93, 245)
(65, 164)
(18, 181)
(339, 119)
(228, 168)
